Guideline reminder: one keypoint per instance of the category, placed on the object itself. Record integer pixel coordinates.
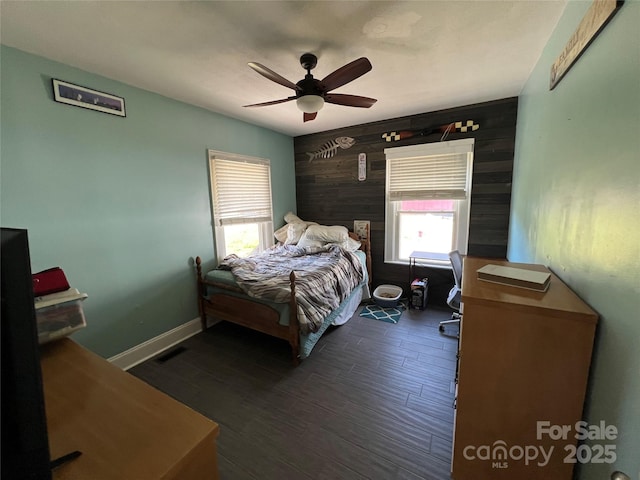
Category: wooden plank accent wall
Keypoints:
(328, 190)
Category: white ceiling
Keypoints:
(426, 55)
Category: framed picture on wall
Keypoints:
(78, 96)
(361, 227)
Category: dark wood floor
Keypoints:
(373, 400)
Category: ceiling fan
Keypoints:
(311, 94)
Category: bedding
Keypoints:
(329, 276)
(325, 276)
(307, 341)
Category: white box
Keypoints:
(515, 277)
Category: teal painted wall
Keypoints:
(576, 204)
(121, 204)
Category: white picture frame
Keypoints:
(78, 96)
(360, 228)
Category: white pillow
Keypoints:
(351, 244)
(292, 218)
(326, 234)
(294, 232)
(281, 233)
(305, 241)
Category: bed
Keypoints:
(287, 305)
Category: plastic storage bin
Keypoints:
(387, 296)
(59, 315)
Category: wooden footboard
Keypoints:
(250, 314)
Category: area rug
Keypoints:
(389, 315)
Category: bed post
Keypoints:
(203, 317)
(294, 326)
(368, 254)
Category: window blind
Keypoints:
(241, 190)
(429, 171)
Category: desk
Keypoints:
(124, 428)
(524, 357)
(418, 255)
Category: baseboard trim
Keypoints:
(138, 354)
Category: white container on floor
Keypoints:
(387, 296)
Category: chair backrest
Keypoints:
(456, 264)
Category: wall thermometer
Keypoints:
(362, 167)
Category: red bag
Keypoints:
(49, 281)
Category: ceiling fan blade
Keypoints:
(309, 116)
(346, 74)
(273, 76)
(349, 100)
(272, 102)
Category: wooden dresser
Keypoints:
(124, 428)
(524, 358)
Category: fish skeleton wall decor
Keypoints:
(330, 148)
(468, 126)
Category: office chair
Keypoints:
(455, 294)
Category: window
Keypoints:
(240, 203)
(428, 194)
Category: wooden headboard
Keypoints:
(365, 246)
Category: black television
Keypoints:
(25, 444)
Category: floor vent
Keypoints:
(170, 354)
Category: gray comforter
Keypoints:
(324, 278)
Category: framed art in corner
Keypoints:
(78, 96)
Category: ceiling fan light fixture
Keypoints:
(311, 94)
(310, 103)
